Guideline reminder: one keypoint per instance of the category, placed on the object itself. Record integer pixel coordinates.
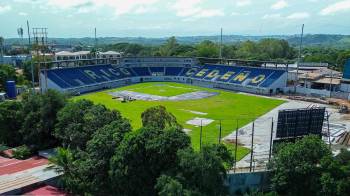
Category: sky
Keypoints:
(163, 18)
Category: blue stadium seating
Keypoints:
(156, 69)
(141, 71)
(90, 75)
(277, 74)
(173, 71)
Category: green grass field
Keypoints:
(161, 89)
(227, 107)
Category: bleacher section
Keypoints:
(245, 77)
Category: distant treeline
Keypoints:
(325, 40)
(277, 49)
(265, 49)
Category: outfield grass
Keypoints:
(162, 89)
(227, 106)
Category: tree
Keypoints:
(78, 121)
(11, 118)
(207, 49)
(87, 172)
(202, 172)
(157, 159)
(63, 163)
(7, 72)
(143, 156)
(157, 117)
(169, 48)
(40, 115)
(168, 186)
(27, 70)
(341, 59)
(296, 168)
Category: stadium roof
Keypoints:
(16, 174)
(110, 53)
(67, 53)
(46, 190)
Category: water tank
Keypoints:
(11, 89)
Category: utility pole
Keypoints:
(299, 58)
(331, 85)
(220, 54)
(252, 148)
(31, 61)
(96, 45)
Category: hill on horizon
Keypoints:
(324, 40)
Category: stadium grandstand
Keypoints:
(77, 80)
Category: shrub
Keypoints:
(22, 152)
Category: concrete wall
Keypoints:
(313, 92)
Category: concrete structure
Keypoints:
(109, 54)
(16, 60)
(66, 55)
(84, 55)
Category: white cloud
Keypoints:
(279, 5)
(242, 3)
(192, 10)
(22, 13)
(299, 15)
(4, 8)
(185, 8)
(336, 7)
(120, 7)
(272, 16)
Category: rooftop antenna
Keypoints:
(299, 57)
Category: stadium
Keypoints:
(242, 106)
(200, 96)
(182, 70)
(212, 102)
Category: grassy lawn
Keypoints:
(163, 89)
(227, 107)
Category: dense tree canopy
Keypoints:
(31, 121)
(78, 121)
(158, 117)
(157, 159)
(11, 118)
(265, 49)
(39, 118)
(307, 167)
